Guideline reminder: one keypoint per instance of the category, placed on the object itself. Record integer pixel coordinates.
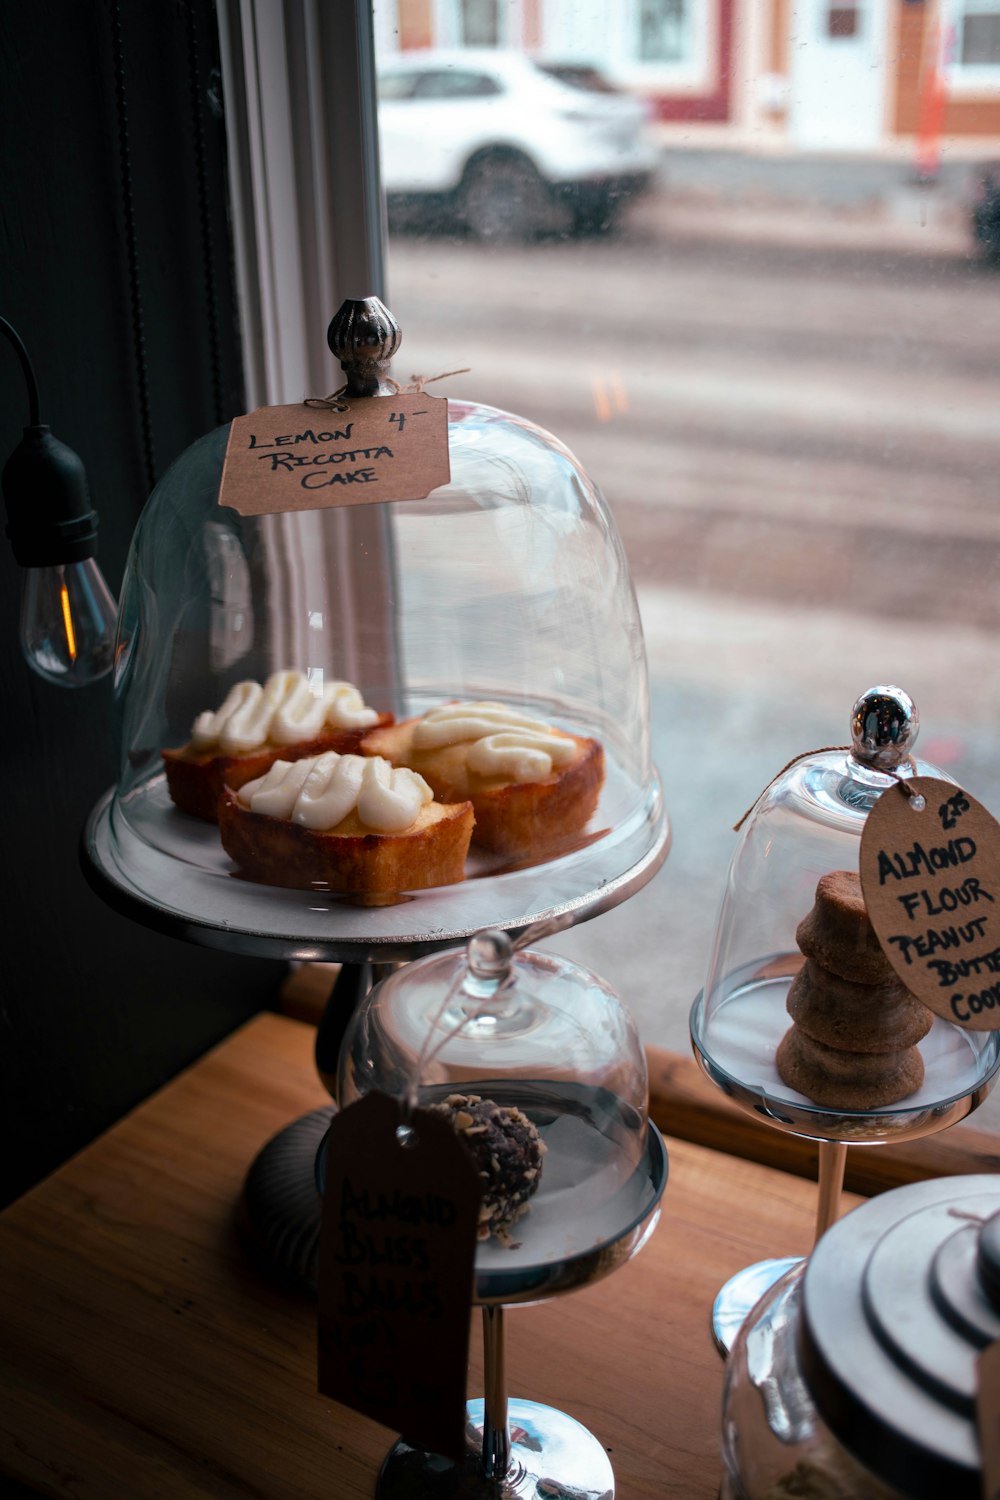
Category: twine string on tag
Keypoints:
(417, 382)
(429, 1052)
(778, 774)
(335, 402)
(328, 403)
(825, 750)
(904, 786)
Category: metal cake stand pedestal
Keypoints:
(169, 872)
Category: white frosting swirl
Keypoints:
(502, 740)
(321, 790)
(287, 709)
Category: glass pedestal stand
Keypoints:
(735, 1041)
(744, 1290)
(515, 1447)
(521, 1448)
(169, 872)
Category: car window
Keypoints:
(577, 76)
(397, 85)
(455, 83)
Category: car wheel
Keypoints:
(598, 215)
(503, 200)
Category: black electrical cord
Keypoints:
(204, 216)
(132, 251)
(34, 420)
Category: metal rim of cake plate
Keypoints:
(539, 1282)
(885, 1124)
(585, 884)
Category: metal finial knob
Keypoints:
(364, 336)
(884, 725)
(490, 955)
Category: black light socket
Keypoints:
(50, 518)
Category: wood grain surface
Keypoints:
(142, 1356)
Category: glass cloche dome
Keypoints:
(506, 589)
(796, 866)
(530, 1040)
(537, 1066)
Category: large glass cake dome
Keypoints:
(506, 586)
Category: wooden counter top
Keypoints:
(143, 1358)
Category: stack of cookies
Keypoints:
(856, 1026)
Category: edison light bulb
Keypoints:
(68, 618)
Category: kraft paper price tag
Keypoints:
(931, 882)
(287, 458)
(988, 1418)
(396, 1272)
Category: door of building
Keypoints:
(838, 77)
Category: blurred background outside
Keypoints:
(738, 256)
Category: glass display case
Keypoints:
(540, 1067)
(855, 1377)
(802, 1021)
(806, 825)
(506, 585)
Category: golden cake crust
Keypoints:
(196, 778)
(512, 818)
(348, 859)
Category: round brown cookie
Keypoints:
(856, 1017)
(808, 1067)
(837, 932)
(855, 1067)
(508, 1152)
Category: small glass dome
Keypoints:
(507, 585)
(539, 1037)
(805, 826)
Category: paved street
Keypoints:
(773, 420)
(799, 441)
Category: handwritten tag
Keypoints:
(988, 1417)
(396, 1272)
(287, 458)
(931, 882)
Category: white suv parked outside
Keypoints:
(492, 139)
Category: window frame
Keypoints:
(309, 231)
(966, 79)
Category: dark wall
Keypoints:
(115, 269)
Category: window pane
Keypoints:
(662, 29)
(480, 23)
(396, 85)
(842, 20)
(981, 39)
(766, 319)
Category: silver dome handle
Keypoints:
(884, 726)
(364, 336)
